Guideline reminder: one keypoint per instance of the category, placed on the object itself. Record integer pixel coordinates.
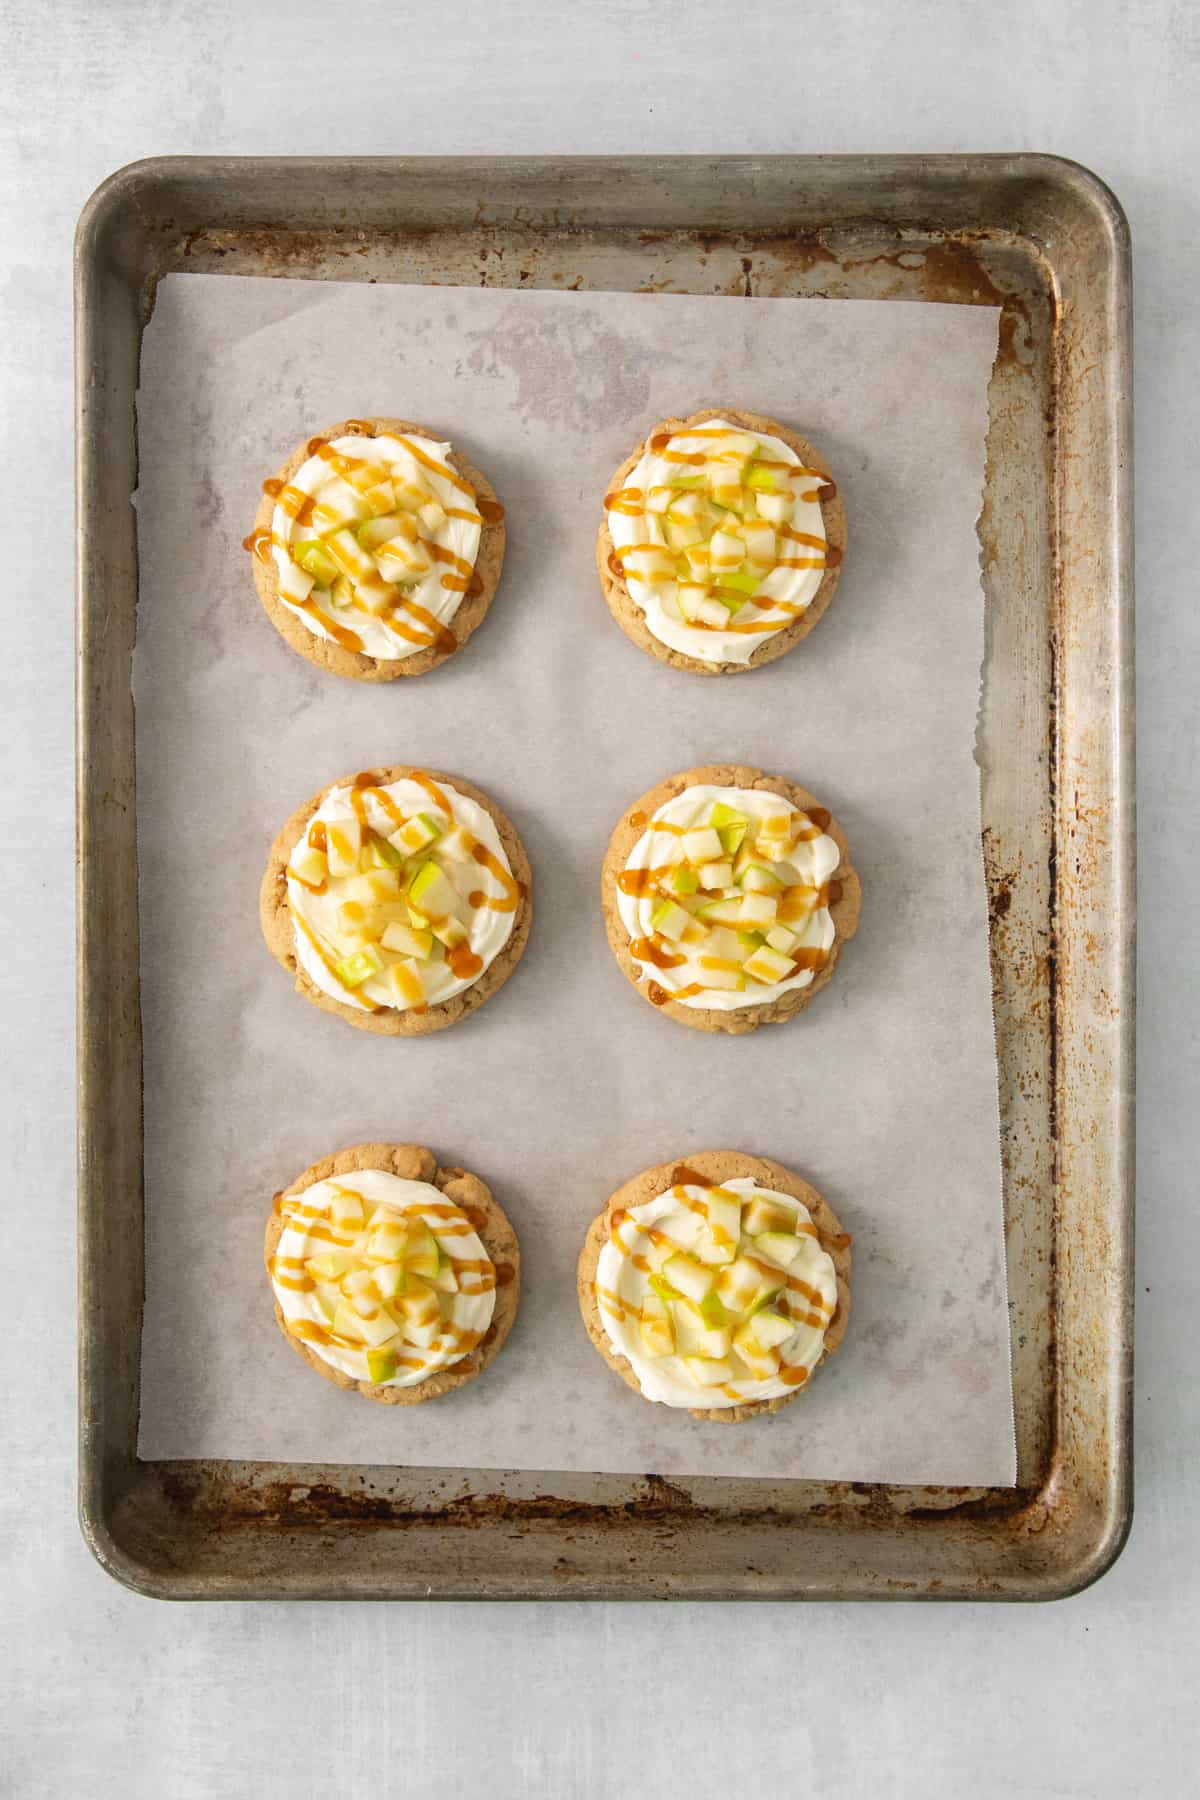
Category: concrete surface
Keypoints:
(104, 1694)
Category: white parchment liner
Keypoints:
(883, 1094)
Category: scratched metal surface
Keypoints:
(1046, 242)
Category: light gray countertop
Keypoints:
(103, 1693)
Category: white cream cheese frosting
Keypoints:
(384, 1279)
(719, 537)
(400, 895)
(374, 540)
(716, 1295)
(749, 922)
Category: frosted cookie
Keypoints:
(722, 538)
(391, 1275)
(727, 897)
(377, 549)
(400, 899)
(717, 1285)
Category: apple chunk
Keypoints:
(688, 1276)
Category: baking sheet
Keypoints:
(884, 1094)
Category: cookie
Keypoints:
(391, 1275)
(377, 549)
(722, 538)
(399, 898)
(718, 1284)
(727, 897)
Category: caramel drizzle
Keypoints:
(433, 790)
(341, 634)
(355, 993)
(510, 898)
(819, 1311)
(365, 788)
(795, 905)
(438, 468)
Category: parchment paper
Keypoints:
(883, 1093)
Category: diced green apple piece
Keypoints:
(655, 1328)
(758, 879)
(770, 1329)
(416, 833)
(726, 552)
(419, 1314)
(761, 480)
(669, 920)
(353, 970)
(374, 532)
(764, 1212)
(445, 1281)
(684, 879)
(382, 854)
(693, 1336)
(381, 1364)
(758, 911)
(449, 931)
(336, 505)
(344, 842)
(330, 1265)
(390, 1279)
(775, 508)
(432, 516)
(432, 893)
(387, 1240)
(731, 838)
(315, 559)
(759, 539)
(725, 1223)
(407, 942)
(688, 1276)
(375, 594)
(405, 985)
(741, 582)
(346, 1210)
(768, 967)
(682, 532)
(690, 596)
(295, 583)
(380, 500)
(347, 1324)
(742, 1284)
(720, 912)
(723, 814)
(715, 975)
(762, 1364)
(423, 1256)
(401, 559)
(349, 554)
(308, 864)
(701, 845)
(717, 875)
(781, 1247)
(374, 1330)
(781, 939)
(328, 1299)
(710, 1371)
(739, 447)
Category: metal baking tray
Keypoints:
(1047, 241)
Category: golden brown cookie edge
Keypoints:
(389, 1022)
(630, 617)
(718, 1165)
(413, 1163)
(331, 657)
(844, 911)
